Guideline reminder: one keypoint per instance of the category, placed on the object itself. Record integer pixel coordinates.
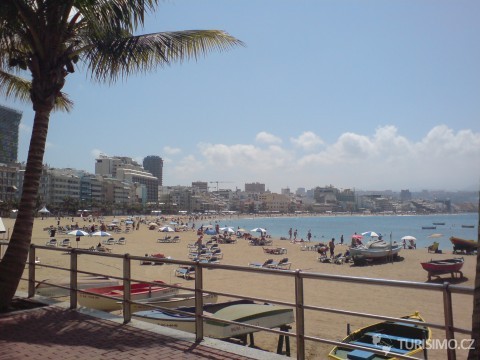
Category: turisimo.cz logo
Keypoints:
(438, 344)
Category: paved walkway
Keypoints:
(55, 332)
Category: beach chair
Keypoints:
(434, 247)
(215, 253)
(185, 272)
(65, 243)
(261, 265)
(122, 241)
(283, 264)
(52, 242)
(339, 259)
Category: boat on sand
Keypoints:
(446, 266)
(60, 287)
(242, 311)
(389, 337)
(460, 244)
(172, 302)
(377, 249)
(95, 298)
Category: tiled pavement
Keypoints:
(55, 332)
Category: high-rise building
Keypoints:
(255, 187)
(9, 123)
(154, 165)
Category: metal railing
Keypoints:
(299, 305)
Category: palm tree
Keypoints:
(46, 39)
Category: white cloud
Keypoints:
(308, 141)
(96, 153)
(267, 138)
(171, 150)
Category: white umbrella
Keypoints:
(129, 222)
(370, 233)
(260, 230)
(409, 237)
(228, 229)
(101, 233)
(166, 229)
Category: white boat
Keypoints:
(172, 302)
(45, 289)
(375, 250)
(139, 291)
(242, 311)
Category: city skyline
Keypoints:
(363, 95)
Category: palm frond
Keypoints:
(119, 57)
(18, 88)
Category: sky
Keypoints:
(362, 94)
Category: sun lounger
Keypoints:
(122, 241)
(65, 243)
(52, 242)
(185, 272)
(339, 259)
(283, 264)
(262, 265)
(275, 251)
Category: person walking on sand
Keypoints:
(331, 247)
(341, 240)
(309, 235)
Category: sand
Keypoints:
(382, 300)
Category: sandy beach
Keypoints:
(382, 300)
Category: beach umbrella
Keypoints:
(357, 237)
(101, 233)
(435, 235)
(228, 229)
(166, 229)
(129, 222)
(370, 233)
(260, 230)
(78, 233)
(409, 237)
(210, 232)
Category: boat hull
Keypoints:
(44, 289)
(374, 252)
(175, 301)
(268, 316)
(443, 266)
(139, 291)
(462, 244)
(395, 337)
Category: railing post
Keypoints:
(31, 271)
(127, 289)
(448, 313)
(198, 302)
(73, 278)
(300, 315)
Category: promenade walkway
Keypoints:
(55, 332)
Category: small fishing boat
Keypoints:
(429, 227)
(440, 267)
(390, 337)
(444, 266)
(438, 223)
(374, 250)
(242, 311)
(468, 226)
(95, 299)
(460, 244)
(51, 287)
(174, 301)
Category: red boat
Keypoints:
(445, 266)
(462, 244)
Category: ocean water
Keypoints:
(323, 228)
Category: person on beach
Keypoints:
(290, 233)
(341, 239)
(199, 243)
(295, 235)
(331, 247)
(309, 235)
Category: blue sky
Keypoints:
(370, 95)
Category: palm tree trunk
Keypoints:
(13, 263)
(474, 353)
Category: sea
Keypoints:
(394, 227)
